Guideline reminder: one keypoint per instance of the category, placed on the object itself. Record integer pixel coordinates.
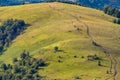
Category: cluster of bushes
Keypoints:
(24, 68)
(9, 30)
(93, 57)
(112, 11)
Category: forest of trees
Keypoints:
(24, 68)
(9, 30)
(17, 2)
(99, 4)
(112, 11)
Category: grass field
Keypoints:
(56, 24)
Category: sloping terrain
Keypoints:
(77, 31)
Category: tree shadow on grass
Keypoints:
(60, 51)
(25, 27)
(45, 65)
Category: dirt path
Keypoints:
(113, 61)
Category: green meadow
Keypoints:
(73, 29)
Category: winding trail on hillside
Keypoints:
(113, 61)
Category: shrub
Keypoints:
(55, 48)
(117, 21)
(77, 77)
(59, 61)
(93, 57)
(15, 60)
(99, 63)
(1, 48)
(4, 67)
(60, 57)
(78, 29)
(75, 56)
(82, 57)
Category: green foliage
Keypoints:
(77, 78)
(15, 60)
(93, 57)
(1, 48)
(99, 63)
(23, 69)
(4, 67)
(117, 21)
(9, 30)
(112, 11)
(106, 9)
(55, 48)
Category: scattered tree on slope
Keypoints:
(117, 21)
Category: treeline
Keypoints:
(64, 1)
(17, 2)
(9, 30)
(112, 11)
(20, 2)
(24, 68)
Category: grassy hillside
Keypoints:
(75, 30)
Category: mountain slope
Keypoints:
(77, 31)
